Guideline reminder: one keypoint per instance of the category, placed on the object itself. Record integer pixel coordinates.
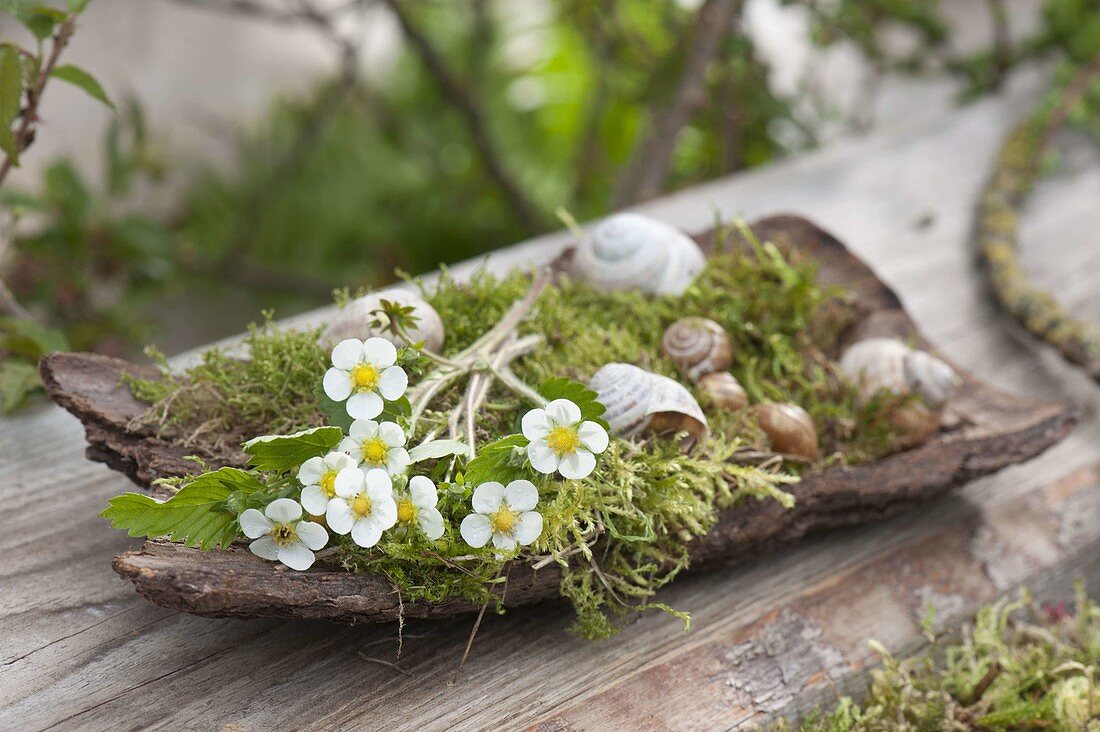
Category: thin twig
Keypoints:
(469, 643)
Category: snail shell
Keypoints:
(639, 401)
(629, 251)
(789, 428)
(914, 423)
(355, 320)
(697, 346)
(887, 364)
(724, 390)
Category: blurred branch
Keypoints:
(649, 167)
(462, 98)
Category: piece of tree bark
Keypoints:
(986, 431)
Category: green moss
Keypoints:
(622, 533)
(1016, 668)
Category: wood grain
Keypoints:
(992, 430)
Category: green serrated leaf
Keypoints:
(502, 461)
(281, 453)
(196, 516)
(81, 78)
(18, 380)
(437, 449)
(586, 399)
(39, 19)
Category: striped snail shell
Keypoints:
(638, 401)
(789, 428)
(724, 390)
(356, 320)
(887, 364)
(629, 251)
(697, 346)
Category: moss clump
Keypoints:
(1018, 667)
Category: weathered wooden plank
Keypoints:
(79, 650)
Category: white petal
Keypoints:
(337, 461)
(366, 532)
(349, 482)
(338, 516)
(384, 511)
(563, 412)
(265, 547)
(593, 437)
(504, 542)
(312, 535)
(475, 530)
(528, 527)
(487, 497)
(348, 354)
(577, 465)
(351, 448)
(397, 459)
(431, 522)
(337, 384)
(314, 500)
(542, 458)
(422, 492)
(283, 510)
(393, 382)
(391, 434)
(364, 405)
(536, 424)
(379, 352)
(521, 495)
(253, 523)
(362, 429)
(296, 556)
(311, 471)
(378, 484)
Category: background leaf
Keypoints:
(11, 95)
(81, 78)
(438, 449)
(18, 380)
(281, 453)
(196, 516)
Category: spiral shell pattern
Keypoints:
(887, 364)
(698, 346)
(639, 401)
(789, 428)
(629, 251)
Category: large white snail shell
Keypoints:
(887, 364)
(630, 251)
(698, 346)
(638, 401)
(355, 320)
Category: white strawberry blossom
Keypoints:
(363, 506)
(416, 506)
(504, 514)
(365, 373)
(561, 441)
(375, 445)
(318, 478)
(280, 534)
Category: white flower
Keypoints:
(363, 505)
(377, 445)
(280, 534)
(318, 478)
(561, 441)
(505, 515)
(417, 506)
(364, 374)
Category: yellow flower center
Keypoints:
(503, 520)
(328, 484)
(283, 535)
(563, 440)
(361, 505)
(375, 450)
(406, 511)
(365, 377)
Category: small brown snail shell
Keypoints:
(914, 423)
(789, 428)
(639, 401)
(354, 320)
(724, 390)
(697, 346)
